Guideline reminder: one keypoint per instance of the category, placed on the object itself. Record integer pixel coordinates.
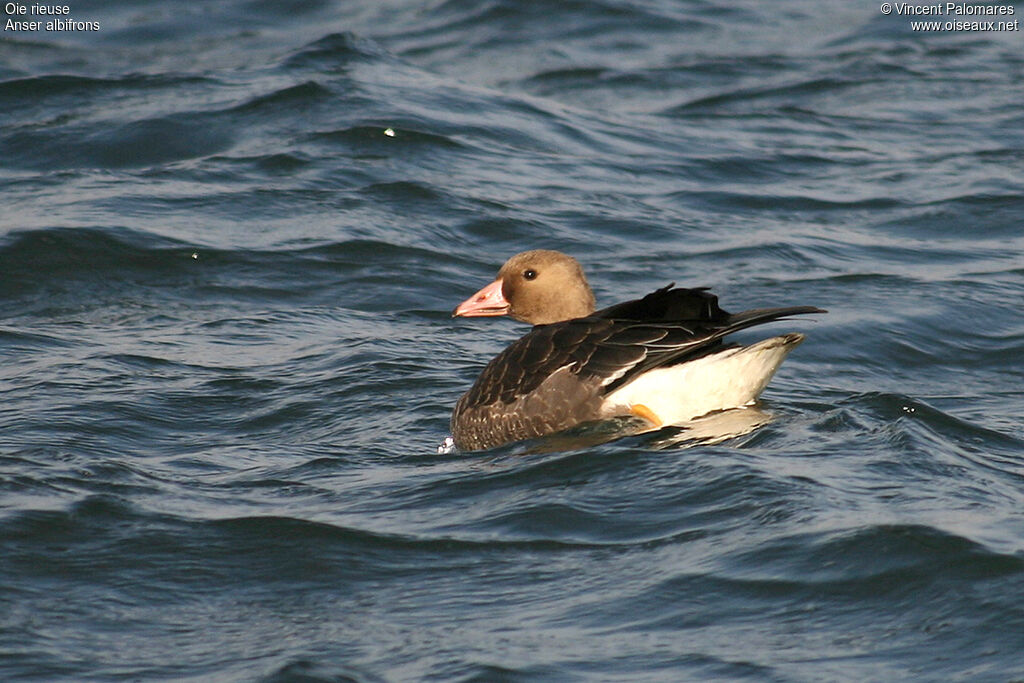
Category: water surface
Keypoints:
(231, 237)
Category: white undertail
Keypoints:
(731, 378)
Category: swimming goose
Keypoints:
(660, 358)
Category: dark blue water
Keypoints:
(231, 234)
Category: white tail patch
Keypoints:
(729, 379)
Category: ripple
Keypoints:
(301, 94)
(333, 52)
(123, 145)
(232, 237)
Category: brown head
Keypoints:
(537, 287)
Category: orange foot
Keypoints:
(640, 410)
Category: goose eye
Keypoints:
(530, 274)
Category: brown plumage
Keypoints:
(577, 365)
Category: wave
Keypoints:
(335, 52)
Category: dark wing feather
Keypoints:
(556, 375)
(685, 340)
(667, 304)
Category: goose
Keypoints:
(660, 358)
